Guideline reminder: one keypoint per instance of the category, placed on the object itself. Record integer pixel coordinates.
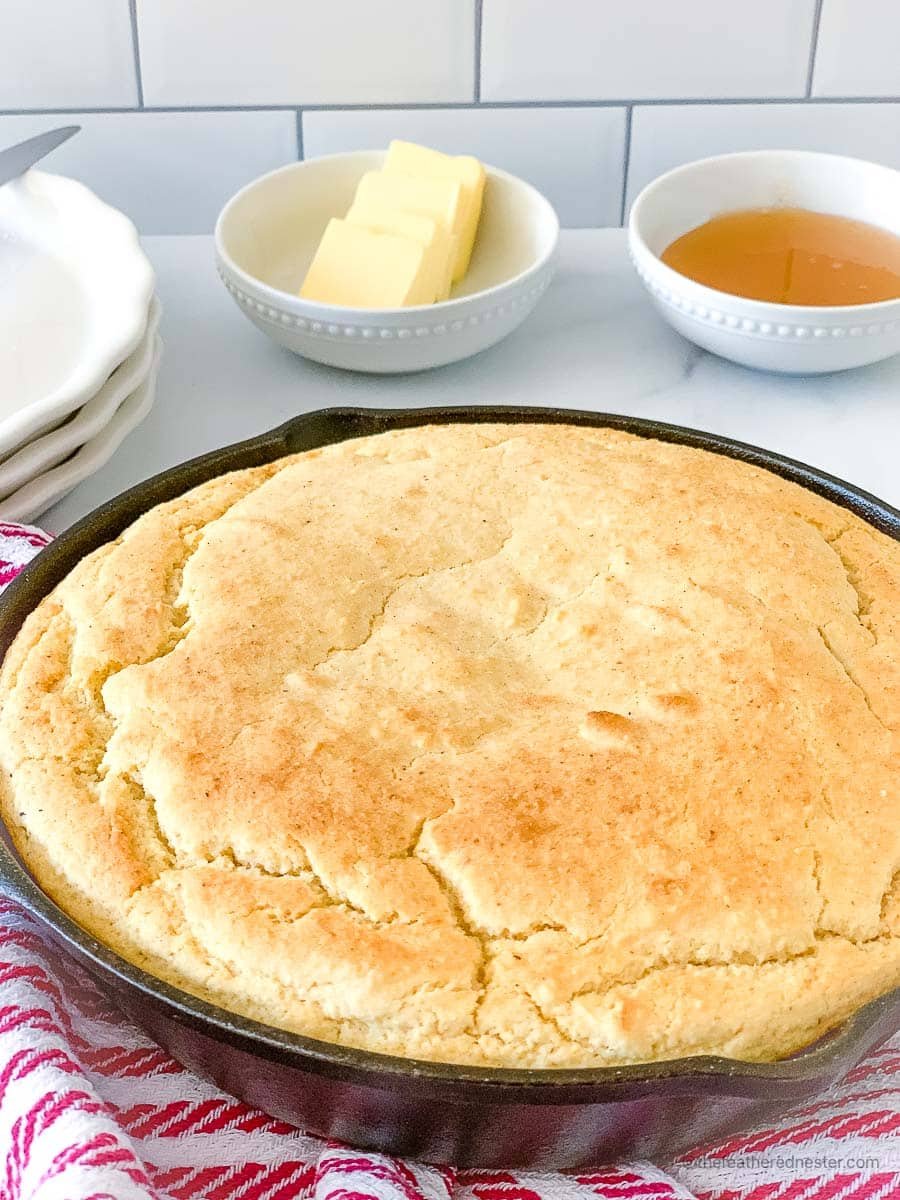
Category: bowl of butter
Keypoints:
(387, 261)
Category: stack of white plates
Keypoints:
(78, 338)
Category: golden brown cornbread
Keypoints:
(524, 745)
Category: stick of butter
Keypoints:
(440, 199)
(440, 246)
(406, 158)
(360, 268)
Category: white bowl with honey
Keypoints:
(786, 260)
(270, 242)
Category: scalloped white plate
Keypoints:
(75, 288)
(53, 448)
(40, 493)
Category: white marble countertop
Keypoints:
(594, 342)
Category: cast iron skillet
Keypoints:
(470, 1116)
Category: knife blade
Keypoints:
(15, 160)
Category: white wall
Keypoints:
(184, 100)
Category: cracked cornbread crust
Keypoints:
(518, 745)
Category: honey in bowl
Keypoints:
(791, 256)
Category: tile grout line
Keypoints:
(479, 22)
(300, 135)
(813, 46)
(626, 162)
(460, 105)
(136, 50)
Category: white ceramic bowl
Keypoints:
(75, 290)
(777, 337)
(267, 234)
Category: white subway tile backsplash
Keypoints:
(644, 49)
(296, 52)
(169, 172)
(665, 136)
(66, 53)
(859, 49)
(573, 155)
(554, 79)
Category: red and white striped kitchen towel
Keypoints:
(91, 1109)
